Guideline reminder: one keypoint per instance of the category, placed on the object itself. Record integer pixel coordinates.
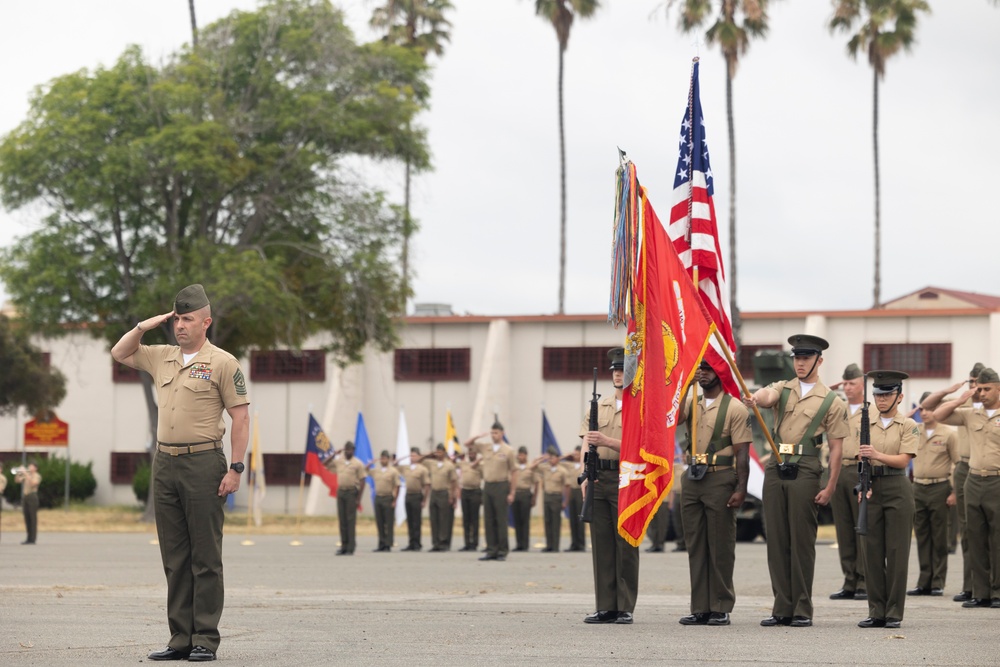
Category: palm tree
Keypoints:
(736, 23)
(881, 28)
(561, 13)
(419, 25)
(194, 25)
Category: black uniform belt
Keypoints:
(188, 447)
(887, 471)
(927, 481)
(710, 460)
(607, 464)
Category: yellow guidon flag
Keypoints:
(451, 441)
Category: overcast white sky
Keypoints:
(489, 212)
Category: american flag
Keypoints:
(694, 232)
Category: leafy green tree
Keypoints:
(880, 28)
(225, 166)
(25, 380)
(419, 25)
(731, 29)
(561, 14)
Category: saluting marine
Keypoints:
(894, 440)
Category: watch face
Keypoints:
(238, 467)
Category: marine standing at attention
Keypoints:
(616, 562)
(844, 502)
(195, 382)
(804, 409)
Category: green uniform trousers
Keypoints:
(552, 506)
(961, 474)
(347, 517)
(616, 562)
(930, 525)
(577, 529)
(982, 497)
(887, 545)
(442, 520)
(495, 518)
(385, 521)
(472, 501)
(189, 517)
(659, 526)
(844, 504)
(790, 518)
(710, 536)
(29, 506)
(522, 519)
(414, 508)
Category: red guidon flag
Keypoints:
(668, 333)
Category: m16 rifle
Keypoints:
(864, 467)
(590, 460)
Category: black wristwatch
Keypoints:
(238, 467)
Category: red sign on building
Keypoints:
(46, 431)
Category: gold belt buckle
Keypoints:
(785, 448)
(701, 459)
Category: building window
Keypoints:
(574, 363)
(432, 364)
(282, 469)
(919, 360)
(122, 373)
(124, 465)
(745, 356)
(288, 366)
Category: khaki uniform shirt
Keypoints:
(555, 478)
(385, 479)
(964, 437)
(901, 436)
(984, 436)
(415, 476)
(737, 426)
(609, 421)
(349, 473)
(443, 474)
(496, 466)
(192, 396)
(472, 476)
(525, 477)
(937, 454)
(573, 471)
(799, 412)
(852, 441)
(30, 481)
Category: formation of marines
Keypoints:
(917, 471)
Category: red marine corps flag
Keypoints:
(668, 333)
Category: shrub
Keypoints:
(140, 482)
(52, 491)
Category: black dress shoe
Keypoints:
(893, 622)
(467, 548)
(601, 617)
(433, 549)
(801, 622)
(679, 547)
(772, 621)
(969, 604)
(654, 550)
(964, 596)
(860, 594)
(718, 618)
(919, 591)
(28, 542)
(699, 618)
(549, 551)
(842, 594)
(995, 603)
(341, 552)
(937, 591)
(487, 557)
(624, 618)
(168, 654)
(201, 654)
(872, 623)
(501, 557)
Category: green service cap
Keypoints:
(617, 357)
(522, 450)
(804, 345)
(440, 447)
(852, 372)
(924, 397)
(552, 451)
(977, 369)
(190, 299)
(414, 450)
(886, 382)
(385, 453)
(497, 426)
(988, 376)
(349, 445)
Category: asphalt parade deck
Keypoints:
(99, 599)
